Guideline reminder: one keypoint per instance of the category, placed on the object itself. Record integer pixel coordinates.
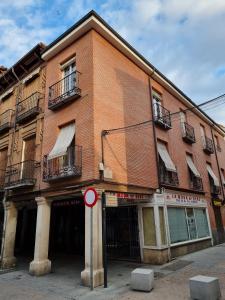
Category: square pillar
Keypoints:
(97, 246)
(8, 243)
(41, 264)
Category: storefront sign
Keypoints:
(70, 202)
(184, 199)
(124, 199)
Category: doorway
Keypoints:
(219, 225)
(122, 233)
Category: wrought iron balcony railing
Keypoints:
(2, 179)
(215, 190)
(63, 166)
(64, 91)
(28, 108)
(168, 177)
(208, 145)
(22, 174)
(162, 116)
(196, 183)
(6, 120)
(188, 133)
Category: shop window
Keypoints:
(186, 224)
(191, 223)
(162, 226)
(201, 222)
(149, 226)
(177, 225)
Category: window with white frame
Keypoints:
(186, 224)
(69, 76)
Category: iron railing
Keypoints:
(167, 177)
(6, 120)
(162, 116)
(188, 133)
(215, 190)
(63, 166)
(208, 145)
(196, 183)
(64, 91)
(21, 174)
(2, 179)
(28, 108)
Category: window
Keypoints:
(217, 144)
(167, 169)
(157, 104)
(186, 224)
(195, 177)
(202, 130)
(69, 74)
(223, 176)
(214, 181)
(149, 226)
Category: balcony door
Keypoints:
(28, 157)
(157, 105)
(69, 82)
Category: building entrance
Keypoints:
(25, 232)
(67, 228)
(122, 233)
(219, 225)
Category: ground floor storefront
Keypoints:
(150, 228)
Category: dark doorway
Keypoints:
(25, 232)
(122, 233)
(219, 225)
(67, 228)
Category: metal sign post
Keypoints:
(104, 248)
(90, 199)
(91, 249)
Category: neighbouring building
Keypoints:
(90, 111)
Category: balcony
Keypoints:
(196, 183)
(215, 190)
(168, 177)
(188, 133)
(208, 145)
(21, 175)
(64, 91)
(162, 116)
(62, 167)
(2, 179)
(28, 108)
(6, 121)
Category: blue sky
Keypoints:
(183, 39)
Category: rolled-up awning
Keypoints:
(192, 166)
(163, 153)
(31, 75)
(63, 141)
(212, 175)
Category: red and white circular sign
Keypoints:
(90, 197)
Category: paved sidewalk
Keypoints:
(64, 283)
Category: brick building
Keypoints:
(163, 179)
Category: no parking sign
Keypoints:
(90, 197)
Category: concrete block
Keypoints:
(204, 288)
(142, 279)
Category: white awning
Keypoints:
(213, 176)
(192, 166)
(63, 141)
(31, 75)
(163, 153)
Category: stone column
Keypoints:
(41, 264)
(97, 247)
(8, 258)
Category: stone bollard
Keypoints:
(142, 279)
(204, 288)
